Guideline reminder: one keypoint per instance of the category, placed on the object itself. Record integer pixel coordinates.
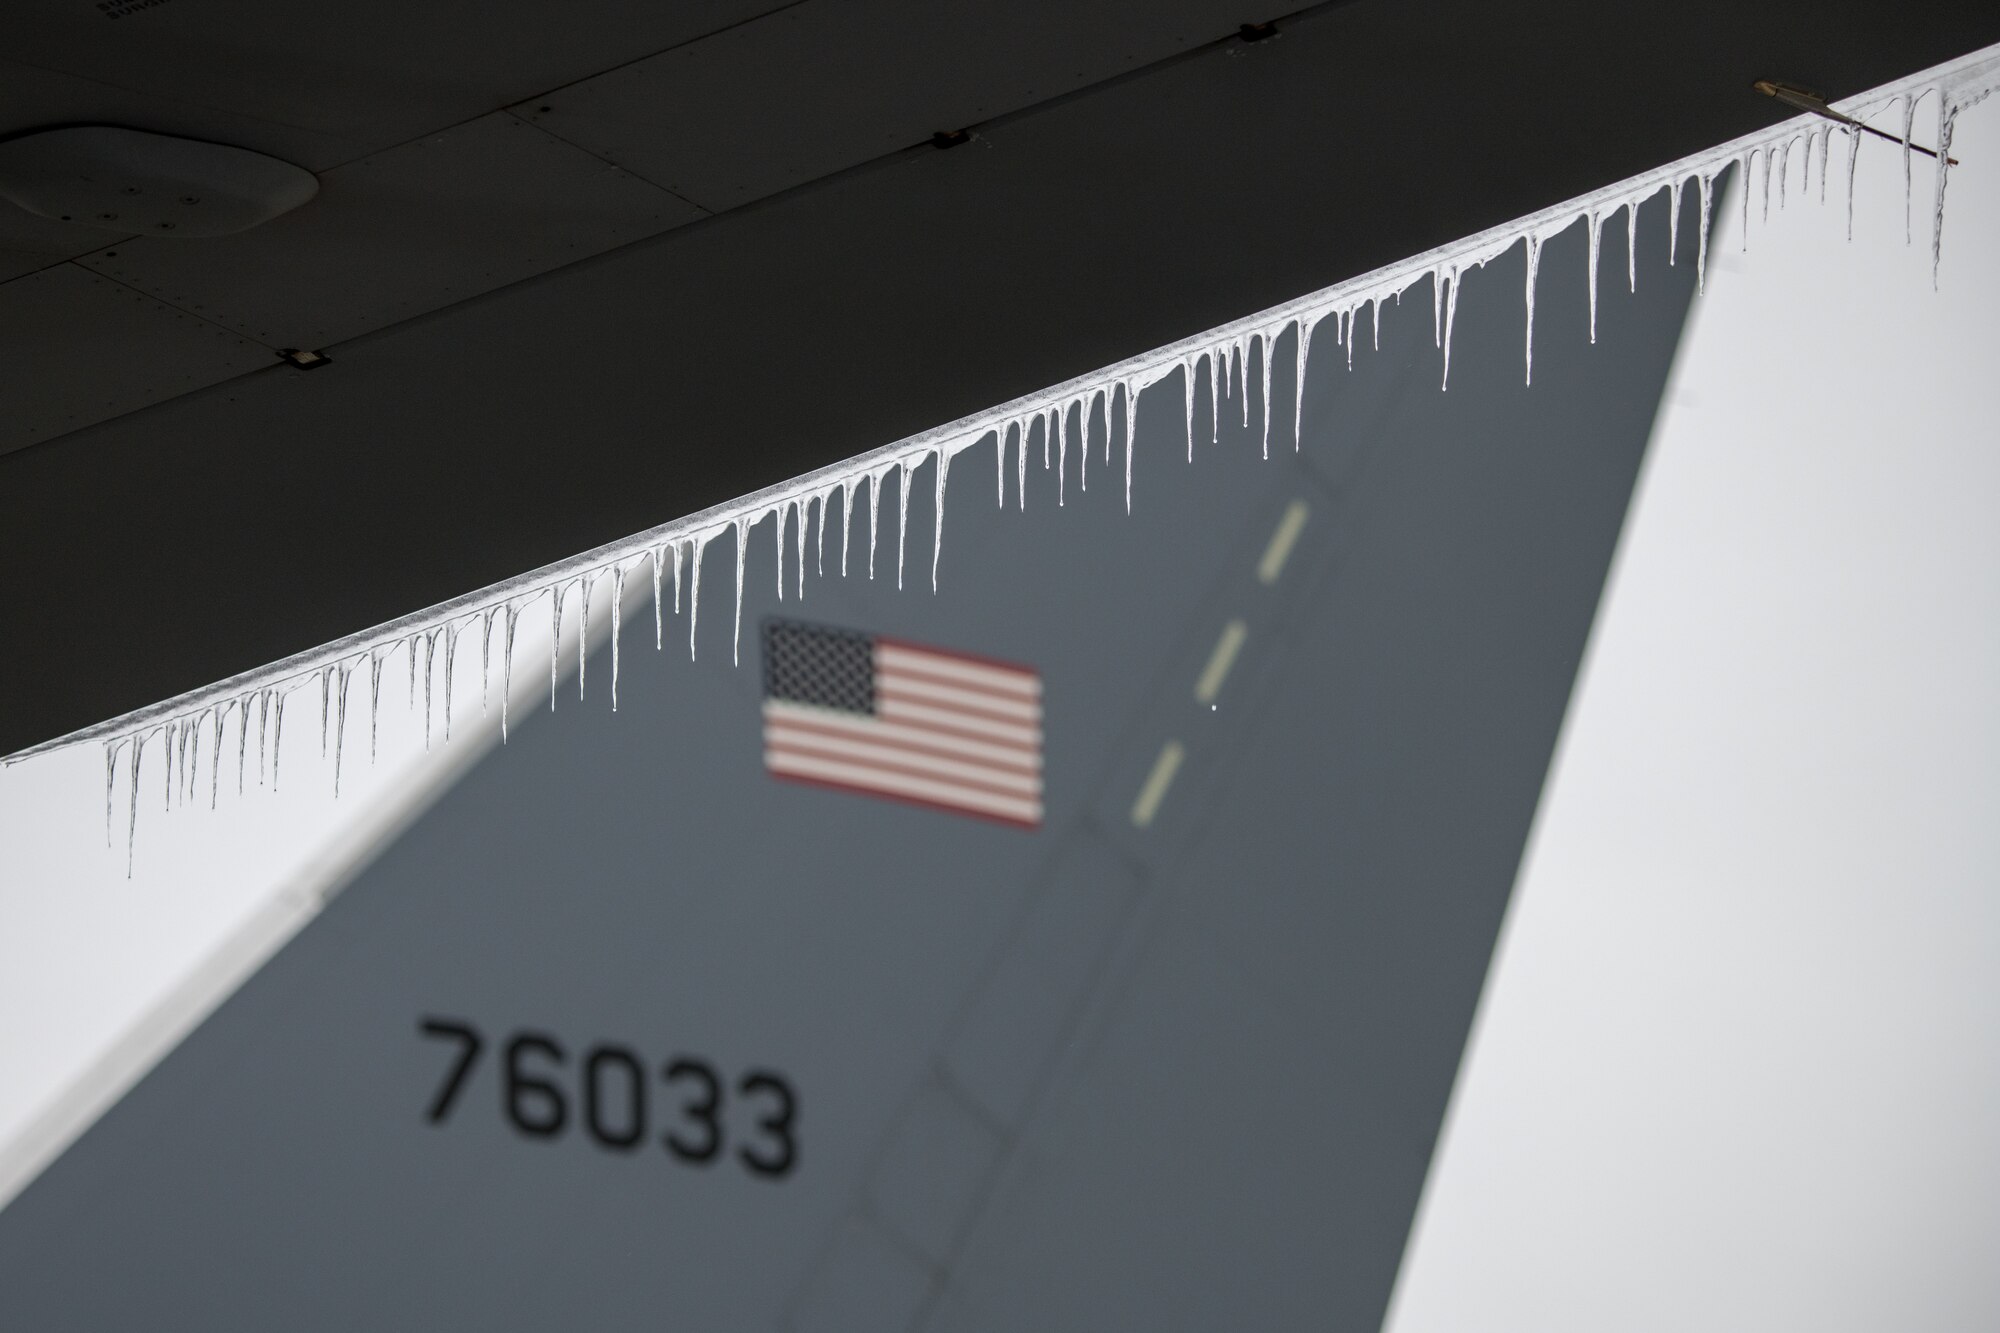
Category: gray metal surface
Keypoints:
(1179, 1076)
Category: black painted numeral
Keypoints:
(534, 1105)
(705, 1111)
(468, 1055)
(624, 1067)
(778, 1153)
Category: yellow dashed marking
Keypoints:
(1219, 661)
(1282, 541)
(1154, 790)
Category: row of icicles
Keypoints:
(1224, 362)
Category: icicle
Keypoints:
(411, 644)
(325, 698)
(742, 543)
(485, 656)
(242, 740)
(1437, 307)
(903, 510)
(555, 639)
(1706, 182)
(132, 818)
(1020, 473)
(677, 578)
(875, 501)
(804, 516)
(1947, 124)
(1909, 123)
(819, 529)
(1450, 316)
(1347, 318)
(1768, 161)
(694, 591)
(177, 770)
(617, 615)
(1855, 155)
(1241, 355)
(110, 780)
(277, 738)
(778, 535)
(1784, 155)
(1674, 187)
(1377, 303)
(1264, 338)
(1214, 396)
(1187, 401)
(430, 657)
(1825, 141)
(1632, 245)
(1744, 164)
(1062, 463)
(1131, 433)
(1000, 463)
(264, 712)
(937, 527)
(507, 668)
(375, 690)
(450, 652)
(659, 613)
(340, 727)
(215, 758)
(1534, 249)
(582, 633)
(1302, 347)
(1594, 220)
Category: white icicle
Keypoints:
(677, 578)
(903, 517)
(1769, 159)
(937, 529)
(1207, 357)
(263, 713)
(1241, 355)
(1632, 245)
(110, 780)
(819, 530)
(1131, 433)
(430, 660)
(1062, 463)
(1265, 349)
(375, 695)
(277, 737)
(694, 589)
(340, 726)
(1533, 244)
(1674, 218)
(1706, 183)
(1825, 141)
(1853, 159)
(617, 616)
(1595, 223)
(778, 544)
(1947, 123)
(1187, 401)
(1450, 316)
(875, 502)
(555, 639)
(325, 698)
(242, 741)
(1301, 348)
(803, 513)
(1743, 166)
(659, 611)
(507, 668)
(1909, 123)
(132, 825)
(1020, 471)
(450, 654)
(485, 657)
(736, 637)
(582, 632)
(1784, 152)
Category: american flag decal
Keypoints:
(934, 728)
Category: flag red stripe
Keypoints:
(827, 784)
(1015, 761)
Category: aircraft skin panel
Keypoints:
(901, 1068)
